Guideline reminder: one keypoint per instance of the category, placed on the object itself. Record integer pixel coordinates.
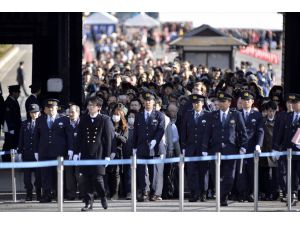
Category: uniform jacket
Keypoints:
(26, 141)
(12, 114)
(255, 130)
(55, 141)
(192, 132)
(228, 139)
(144, 133)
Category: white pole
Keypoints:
(133, 183)
(60, 176)
(218, 164)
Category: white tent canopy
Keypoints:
(141, 20)
(228, 20)
(99, 18)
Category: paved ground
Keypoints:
(162, 206)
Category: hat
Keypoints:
(222, 96)
(196, 98)
(148, 96)
(131, 91)
(293, 97)
(14, 88)
(51, 102)
(33, 108)
(246, 95)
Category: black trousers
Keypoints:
(10, 142)
(141, 176)
(245, 180)
(197, 177)
(71, 178)
(37, 179)
(295, 175)
(92, 183)
(49, 178)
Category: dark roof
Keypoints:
(206, 35)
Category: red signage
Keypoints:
(260, 54)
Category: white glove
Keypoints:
(75, 157)
(12, 132)
(298, 146)
(79, 156)
(161, 156)
(107, 159)
(36, 156)
(275, 157)
(152, 144)
(70, 154)
(242, 151)
(20, 157)
(183, 152)
(204, 153)
(134, 150)
(13, 151)
(112, 155)
(257, 148)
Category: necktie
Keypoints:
(223, 119)
(296, 118)
(32, 126)
(196, 117)
(50, 122)
(147, 117)
(246, 116)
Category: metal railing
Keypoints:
(60, 164)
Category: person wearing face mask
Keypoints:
(121, 135)
(127, 154)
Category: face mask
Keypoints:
(116, 118)
(130, 121)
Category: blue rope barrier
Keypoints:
(19, 165)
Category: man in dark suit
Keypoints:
(95, 140)
(52, 138)
(149, 128)
(20, 76)
(254, 126)
(12, 121)
(192, 131)
(286, 132)
(226, 133)
(33, 98)
(27, 153)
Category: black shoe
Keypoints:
(250, 198)
(104, 203)
(28, 198)
(194, 198)
(87, 207)
(45, 199)
(224, 203)
(38, 195)
(203, 197)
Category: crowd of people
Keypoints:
(136, 104)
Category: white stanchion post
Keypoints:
(256, 161)
(217, 179)
(133, 183)
(13, 176)
(289, 179)
(60, 189)
(181, 183)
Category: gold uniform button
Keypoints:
(88, 141)
(94, 141)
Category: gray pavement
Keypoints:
(161, 206)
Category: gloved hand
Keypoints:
(183, 152)
(257, 148)
(75, 157)
(242, 151)
(20, 157)
(79, 155)
(204, 153)
(107, 159)
(112, 155)
(134, 151)
(275, 157)
(161, 156)
(152, 144)
(36, 156)
(298, 146)
(12, 132)
(70, 154)
(13, 151)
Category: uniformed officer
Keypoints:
(192, 131)
(33, 98)
(286, 132)
(12, 121)
(149, 127)
(255, 132)
(52, 138)
(95, 140)
(27, 154)
(226, 133)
